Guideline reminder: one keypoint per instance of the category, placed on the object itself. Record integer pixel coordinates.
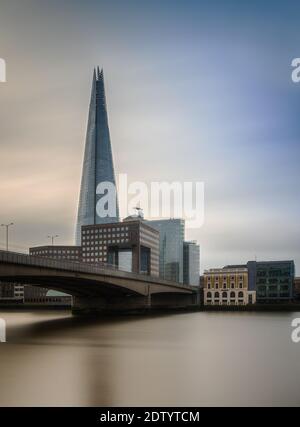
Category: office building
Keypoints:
(98, 162)
(171, 238)
(191, 263)
(227, 286)
(70, 253)
(131, 245)
(273, 280)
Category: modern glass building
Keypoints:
(98, 163)
(273, 280)
(191, 263)
(171, 237)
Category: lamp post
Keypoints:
(52, 238)
(7, 228)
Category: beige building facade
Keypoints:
(227, 286)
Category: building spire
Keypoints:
(99, 73)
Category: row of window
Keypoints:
(224, 286)
(209, 278)
(94, 248)
(224, 295)
(100, 259)
(104, 230)
(56, 251)
(92, 254)
(108, 236)
(101, 242)
(64, 257)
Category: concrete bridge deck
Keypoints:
(95, 288)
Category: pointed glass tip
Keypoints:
(99, 73)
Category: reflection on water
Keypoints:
(191, 359)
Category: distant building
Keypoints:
(171, 238)
(227, 286)
(38, 295)
(273, 280)
(191, 263)
(297, 287)
(70, 253)
(131, 245)
(34, 293)
(50, 298)
(13, 292)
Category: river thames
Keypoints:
(187, 359)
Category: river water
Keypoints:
(187, 359)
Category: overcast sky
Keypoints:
(196, 90)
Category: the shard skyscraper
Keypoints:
(98, 164)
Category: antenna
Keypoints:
(139, 211)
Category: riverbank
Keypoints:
(243, 308)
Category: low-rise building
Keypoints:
(227, 286)
(70, 253)
(40, 296)
(11, 292)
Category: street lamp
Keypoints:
(7, 227)
(52, 238)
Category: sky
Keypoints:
(196, 91)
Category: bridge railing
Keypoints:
(74, 266)
(27, 259)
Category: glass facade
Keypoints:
(274, 280)
(171, 237)
(98, 160)
(191, 263)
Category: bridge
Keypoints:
(96, 288)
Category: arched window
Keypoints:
(232, 295)
(217, 295)
(241, 295)
(208, 294)
(224, 295)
